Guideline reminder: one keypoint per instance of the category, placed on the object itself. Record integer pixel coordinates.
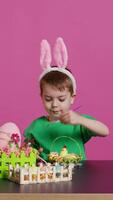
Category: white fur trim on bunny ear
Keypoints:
(60, 53)
(45, 55)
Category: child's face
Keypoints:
(55, 101)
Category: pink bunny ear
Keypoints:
(60, 53)
(45, 56)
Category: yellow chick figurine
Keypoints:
(64, 151)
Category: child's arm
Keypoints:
(74, 118)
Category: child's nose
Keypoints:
(54, 103)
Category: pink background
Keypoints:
(87, 28)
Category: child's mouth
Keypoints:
(56, 112)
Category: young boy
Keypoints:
(62, 126)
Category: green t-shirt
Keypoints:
(52, 136)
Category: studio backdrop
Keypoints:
(87, 29)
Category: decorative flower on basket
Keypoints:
(13, 147)
(15, 138)
(6, 150)
(27, 150)
(13, 143)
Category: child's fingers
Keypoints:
(64, 117)
(64, 113)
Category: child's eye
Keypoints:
(61, 100)
(48, 99)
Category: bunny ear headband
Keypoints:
(60, 56)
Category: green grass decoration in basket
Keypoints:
(65, 149)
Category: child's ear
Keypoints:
(72, 98)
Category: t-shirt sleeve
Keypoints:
(29, 135)
(28, 132)
(86, 134)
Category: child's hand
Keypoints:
(70, 117)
